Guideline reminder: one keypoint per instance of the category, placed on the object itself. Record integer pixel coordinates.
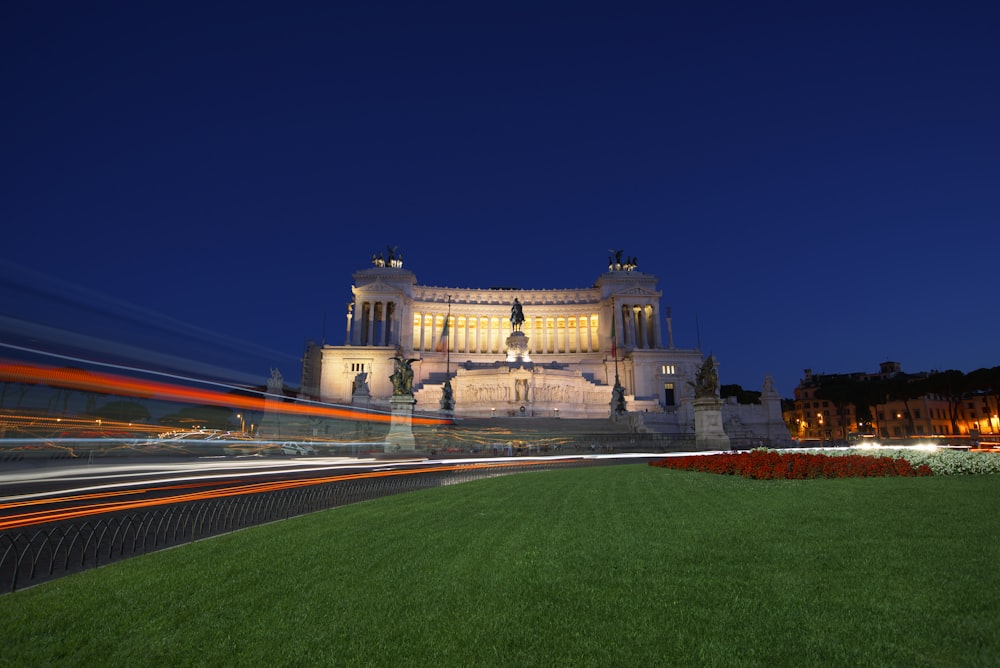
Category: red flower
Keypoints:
(770, 464)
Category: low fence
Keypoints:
(40, 554)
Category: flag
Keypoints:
(614, 339)
(442, 344)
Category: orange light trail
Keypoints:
(78, 379)
(44, 517)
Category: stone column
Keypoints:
(370, 324)
(384, 321)
(658, 332)
(620, 332)
(641, 320)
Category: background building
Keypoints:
(892, 404)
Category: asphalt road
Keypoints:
(42, 491)
(36, 492)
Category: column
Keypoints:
(369, 323)
(630, 328)
(656, 328)
(384, 321)
(640, 321)
(620, 332)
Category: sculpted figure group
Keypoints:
(402, 377)
(706, 379)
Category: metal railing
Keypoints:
(33, 556)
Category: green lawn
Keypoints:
(606, 566)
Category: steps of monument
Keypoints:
(521, 425)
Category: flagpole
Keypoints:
(614, 337)
(447, 396)
(618, 393)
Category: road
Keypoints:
(46, 491)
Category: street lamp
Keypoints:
(243, 427)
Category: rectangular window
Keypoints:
(668, 394)
(668, 370)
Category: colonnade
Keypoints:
(377, 323)
(471, 333)
(639, 326)
(374, 324)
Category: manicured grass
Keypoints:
(608, 566)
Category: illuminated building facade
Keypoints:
(578, 341)
(812, 417)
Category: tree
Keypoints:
(904, 387)
(122, 411)
(951, 385)
(745, 397)
(986, 381)
(208, 417)
(871, 393)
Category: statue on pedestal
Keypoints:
(516, 316)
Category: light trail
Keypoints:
(93, 381)
(99, 503)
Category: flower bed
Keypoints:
(774, 465)
(941, 461)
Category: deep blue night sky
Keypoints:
(814, 185)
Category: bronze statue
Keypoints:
(402, 377)
(516, 316)
(706, 379)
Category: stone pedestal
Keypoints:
(708, 431)
(400, 436)
(517, 347)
